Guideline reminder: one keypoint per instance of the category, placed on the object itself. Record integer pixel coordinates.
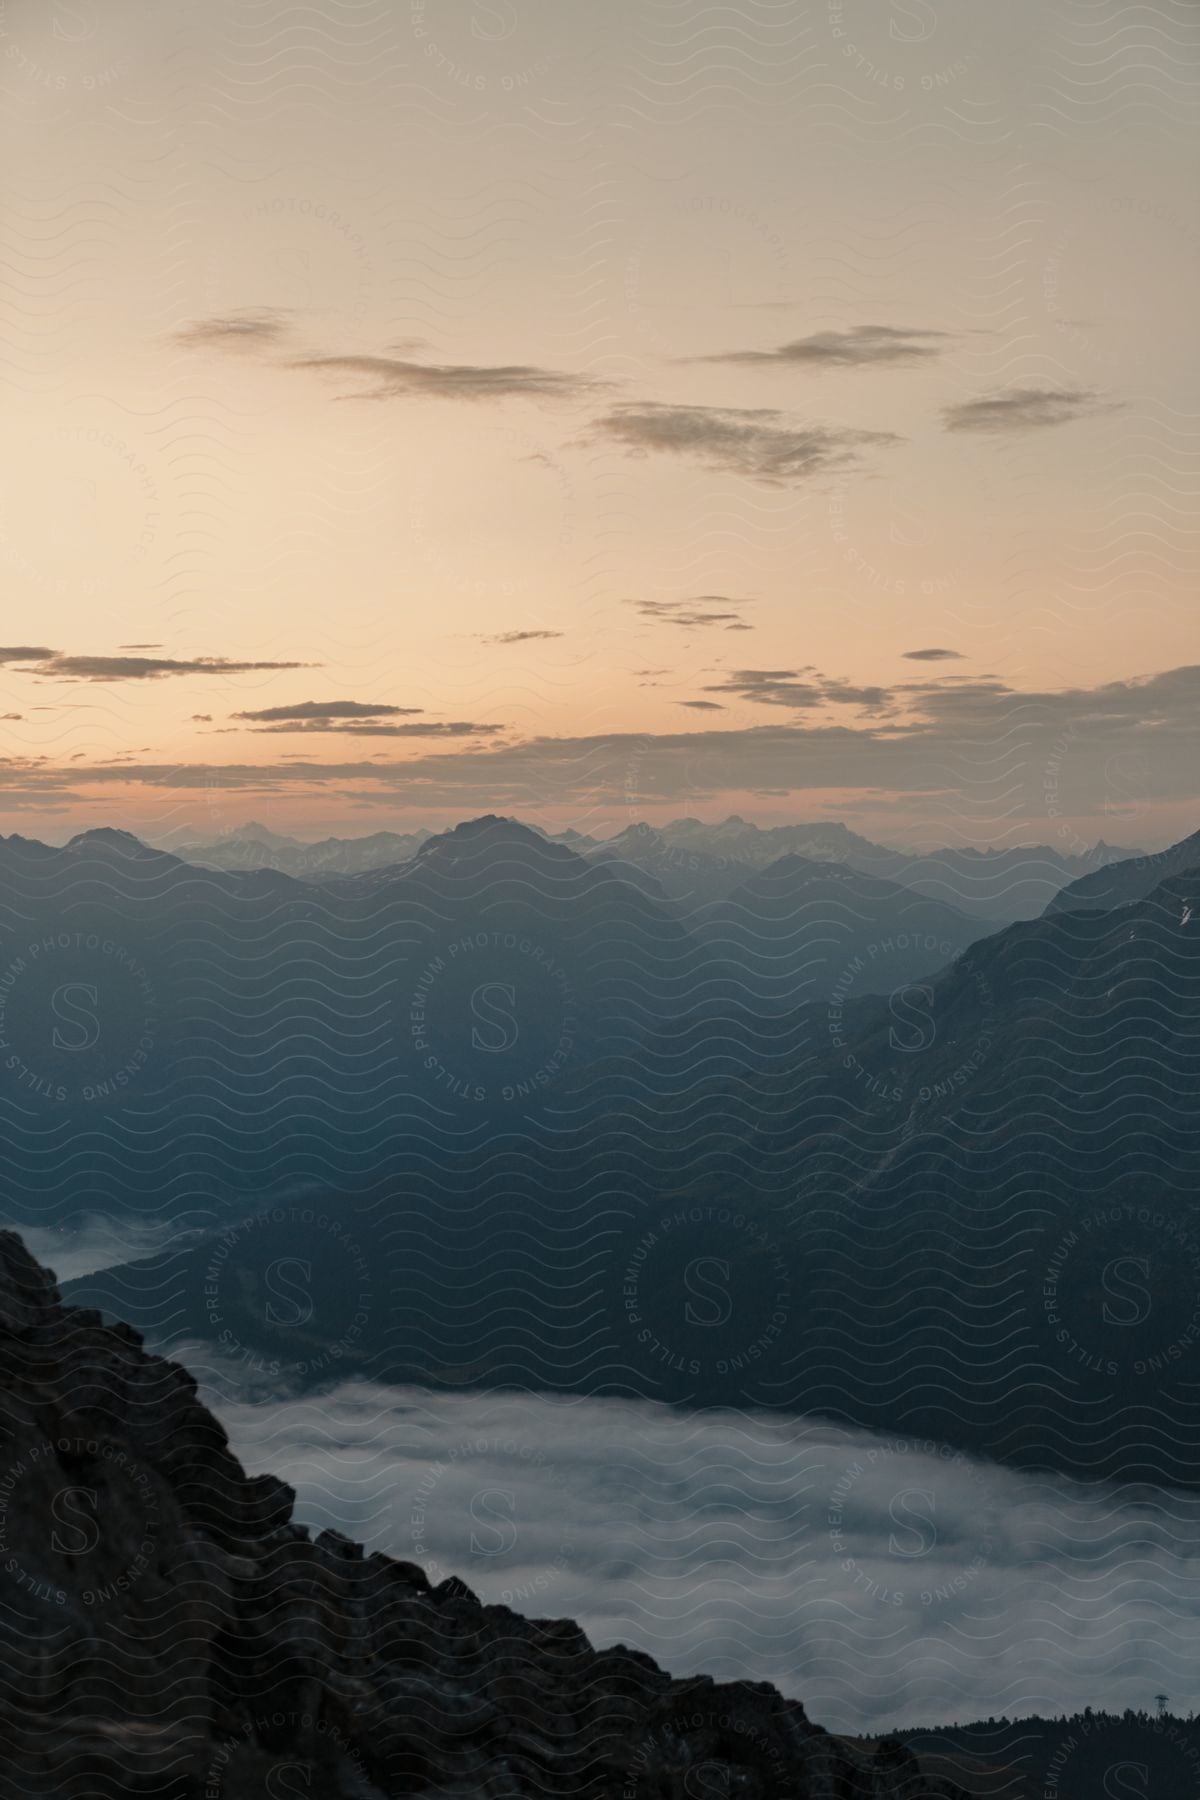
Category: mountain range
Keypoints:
(697, 862)
(535, 1103)
(256, 1014)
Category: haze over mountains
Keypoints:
(502, 1065)
(1122, 879)
(254, 846)
(288, 1014)
(698, 862)
(802, 1198)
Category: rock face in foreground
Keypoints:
(166, 1630)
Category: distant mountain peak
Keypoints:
(108, 834)
(1135, 877)
(108, 837)
(491, 832)
(640, 832)
(256, 833)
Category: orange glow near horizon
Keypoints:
(547, 458)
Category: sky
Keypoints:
(420, 408)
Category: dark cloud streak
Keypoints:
(1026, 409)
(390, 378)
(863, 346)
(425, 728)
(326, 709)
(703, 610)
(145, 668)
(519, 637)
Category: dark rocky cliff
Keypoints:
(167, 1630)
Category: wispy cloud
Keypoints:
(863, 346)
(518, 637)
(933, 725)
(307, 710)
(703, 610)
(934, 655)
(260, 328)
(392, 374)
(359, 718)
(391, 377)
(421, 728)
(1026, 409)
(137, 668)
(761, 443)
(799, 689)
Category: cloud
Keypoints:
(705, 609)
(933, 655)
(760, 443)
(425, 728)
(785, 687)
(1065, 736)
(702, 705)
(21, 653)
(771, 687)
(254, 329)
(358, 718)
(518, 637)
(139, 646)
(1026, 409)
(201, 719)
(881, 1580)
(325, 709)
(838, 692)
(863, 346)
(143, 668)
(100, 1241)
(390, 377)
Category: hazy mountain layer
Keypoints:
(970, 1216)
(177, 1037)
(697, 862)
(573, 1149)
(1118, 883)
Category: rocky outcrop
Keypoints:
(167, 1630)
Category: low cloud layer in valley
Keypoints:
(882, 1580)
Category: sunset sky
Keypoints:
(417, 408)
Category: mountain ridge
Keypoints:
(993, 884)
(191, 1639)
